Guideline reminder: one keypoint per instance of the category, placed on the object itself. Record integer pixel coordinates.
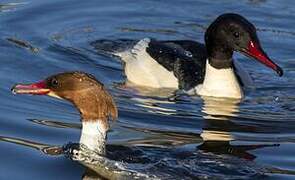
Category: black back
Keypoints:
(186, 59)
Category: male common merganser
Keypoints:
(207, 70)
(88, 95)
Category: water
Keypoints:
(190, 136)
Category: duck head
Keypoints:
(232, 32)
(88, 95)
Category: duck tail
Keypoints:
(113, 47)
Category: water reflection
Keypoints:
(216, 122)
(217, 125)
(218, 131)
(53, 150)
(44, 148)
(257, 1)
(134, 90)
(56, 124)
(10, 6)
(160, 150)
(147, 160)
(217, 115)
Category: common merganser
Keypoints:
(89, 96)
(207, 70)
(96, 107)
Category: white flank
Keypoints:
(220, 83)
(93, 135)
(143, 70)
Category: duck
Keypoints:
(189, 66)
(95, 105)
(97, 109)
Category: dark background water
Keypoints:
(57, 35)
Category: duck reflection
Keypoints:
(217, 114)
(53, 150)
(218, 131)
(217, 126)
(96, 166)
(47, 149)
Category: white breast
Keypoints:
(220, 83)
(142, 69)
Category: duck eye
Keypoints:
(236, 34)
(54, 82)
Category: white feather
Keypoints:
(93, 135)
(141, 69)
(220, 83)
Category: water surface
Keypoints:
(197, 137)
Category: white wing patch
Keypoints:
(143, 70)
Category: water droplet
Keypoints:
(188, 54)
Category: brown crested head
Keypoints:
(82, 89)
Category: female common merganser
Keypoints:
(88, 95)
(96, 107)
(207, 70)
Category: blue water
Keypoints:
(215, 138)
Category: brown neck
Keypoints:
(94, 104)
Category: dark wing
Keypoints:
(186, 59)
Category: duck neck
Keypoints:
(93, 135)
(220, 57)
(96, 107)
(219, 50)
